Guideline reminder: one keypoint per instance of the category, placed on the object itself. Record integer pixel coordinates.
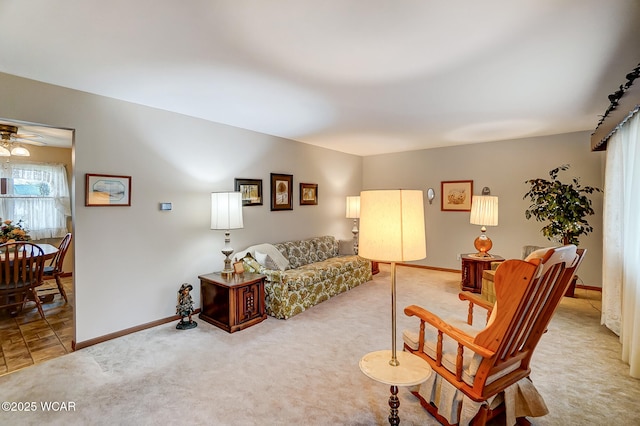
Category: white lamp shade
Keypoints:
(353, 207)
(226, 210)
(20, 151)
(484, 210)
(4, 152)
(392, 225)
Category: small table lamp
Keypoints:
(484, 212)
(353, 212)
(392, 230)
(226, 214)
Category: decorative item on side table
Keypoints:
(184, 308)
(484, 212)
(226, 214)
(392, 229)
(10, 232)
(281, 192)
(353, 212)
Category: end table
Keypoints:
(472, 267)
(234, 303)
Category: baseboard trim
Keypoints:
(86, 343)
(433, 268)
(588, 287)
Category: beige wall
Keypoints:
(130, 261)
(504, 167)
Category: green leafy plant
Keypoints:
(564, 205)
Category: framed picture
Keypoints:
(456, 195)
(238, 267)
(251, 190)
(281, 192)
(107, 190)
(308, 194)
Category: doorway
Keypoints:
(25, 337)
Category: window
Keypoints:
(39, 195)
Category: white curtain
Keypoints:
(44, 216)
(621, 243)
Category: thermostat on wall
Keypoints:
(165, 206)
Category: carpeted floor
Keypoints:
(305, 370)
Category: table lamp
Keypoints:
(226, 214)
(392, 230)
(353, 212)
(484, 212)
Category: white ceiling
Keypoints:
(359, 76)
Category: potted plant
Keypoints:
(564, 206)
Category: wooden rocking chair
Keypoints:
(483, 364)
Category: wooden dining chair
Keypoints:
(476, 366)
(21, 268)
(55, 268)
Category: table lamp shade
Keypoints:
(484, 210)
(226, 210)
(353, 207)
(392, 225)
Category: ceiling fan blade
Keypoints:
(29, 141)
(27, 136)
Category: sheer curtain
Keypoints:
(621, 243)
(44, 216)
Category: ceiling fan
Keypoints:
(11, 141)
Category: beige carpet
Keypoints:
(305, 370)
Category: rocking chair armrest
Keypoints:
(455, 333)
(476, 300)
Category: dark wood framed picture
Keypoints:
(107, 190)
(251, 190)
(281, 192)
(308, 194)
(456, 195)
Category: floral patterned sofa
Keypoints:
(314, 272)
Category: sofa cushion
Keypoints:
(325, 247)
(298, 253)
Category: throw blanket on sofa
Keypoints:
(315, 272)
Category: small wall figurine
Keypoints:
(185, 307)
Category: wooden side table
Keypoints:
(232, 304)
(472, 268)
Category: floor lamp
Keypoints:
(392, 230)
(226, 214)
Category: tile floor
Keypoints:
(27, 339)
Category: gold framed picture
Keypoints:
(308, 194)
(456, 195)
